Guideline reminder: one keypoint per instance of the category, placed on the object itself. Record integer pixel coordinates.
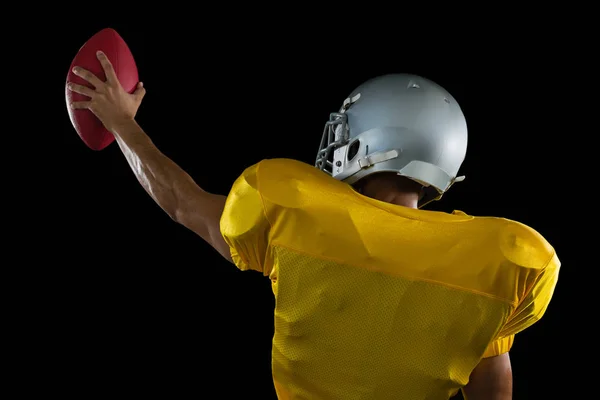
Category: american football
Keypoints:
(87, 126)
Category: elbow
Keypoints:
(172, 207)
(177, 215)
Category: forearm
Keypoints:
(162, 179)
(171, 187)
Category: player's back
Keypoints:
(377, 301)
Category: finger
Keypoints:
(88, 76)
(80, 105)
(86, 91)
(140, 91)
(111, 76)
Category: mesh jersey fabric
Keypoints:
(380, 301)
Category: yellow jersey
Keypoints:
(376, 300)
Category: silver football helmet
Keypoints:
(397, 123)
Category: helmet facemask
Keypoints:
(335, 137)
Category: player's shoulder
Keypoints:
(293, 183)
(519, 243)
(289, 172)
(281, 167)
(274, 169)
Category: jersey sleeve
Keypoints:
(244, 224)
(499, 346)
(530, 309)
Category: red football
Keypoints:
(89, 128)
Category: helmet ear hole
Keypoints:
(353, 149)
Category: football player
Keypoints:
(376, 297)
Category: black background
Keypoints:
(128, 303)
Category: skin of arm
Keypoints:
(171, 187)
(490, 380)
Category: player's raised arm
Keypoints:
(169, 185)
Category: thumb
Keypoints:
(140, 91)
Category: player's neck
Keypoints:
(405, 199)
